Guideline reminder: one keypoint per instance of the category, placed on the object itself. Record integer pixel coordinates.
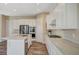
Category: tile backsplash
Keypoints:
(68, 34)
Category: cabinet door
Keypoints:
(60, 17)
(71, 15)
(52, 49)
(66, 16)
(48, 46)
(55, 50)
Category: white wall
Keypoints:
(68, 34)
(72, 35)
(14, 24)
(39, 29)
(59, 32)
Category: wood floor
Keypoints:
(26, 48)
(3, 48)
(37, 49)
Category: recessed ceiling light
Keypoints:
(14, 10)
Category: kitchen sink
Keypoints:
(54, 36)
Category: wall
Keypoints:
(59, 32)
(41, 27)
(72, 35)
(15, 22)
(69, 34)
(3, 26)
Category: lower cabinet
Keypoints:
(52, 49)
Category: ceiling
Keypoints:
(25, 9)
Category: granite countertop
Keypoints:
(65, 46)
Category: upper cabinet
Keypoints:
(65, 15)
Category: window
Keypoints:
(24, 29)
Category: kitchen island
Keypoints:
(16, 46)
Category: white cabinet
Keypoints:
(66, 16)
(52, 49)
(51, 21)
